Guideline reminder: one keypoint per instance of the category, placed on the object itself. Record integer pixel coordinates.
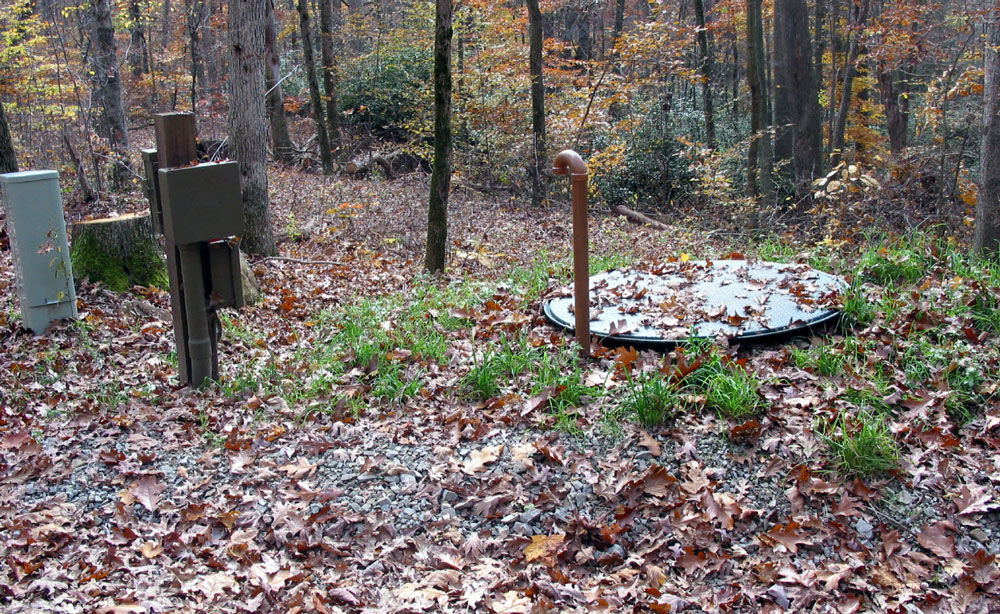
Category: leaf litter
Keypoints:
(123, 492)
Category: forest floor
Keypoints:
(381, 441)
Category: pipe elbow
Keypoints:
(568, 162)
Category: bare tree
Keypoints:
(138, 56)
(8, 158)
(859, 14)
(281, 140)
(315, 98)
(329, 25)
(104, 79)
(248, 119)
(705, 68)
(760, 181)
(437, 210)
(537, 102)
(987, 236)
(796, 95)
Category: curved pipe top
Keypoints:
(569, 162)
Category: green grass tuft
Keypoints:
(861, 444)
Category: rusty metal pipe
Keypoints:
(568, 162)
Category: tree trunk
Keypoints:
(619, 21)
(111, 123)
(139, 53)
(987, 236)
(89, 195)
(248, 119)
(437, 210)
(759, 158)
(281, 141)
(165, 26)
(705, 68)
(195, 19)
(896, 106)
(859, 16)
(796, 97)
(8, 158)
(537, 103)
(316, 100)
(120, 252)
(329, 28)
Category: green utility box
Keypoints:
(38, 244)
(225, 280)
(201, 203)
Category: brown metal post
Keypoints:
(568, 162)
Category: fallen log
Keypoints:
(361, 166)
(120, 251)
(637, 218)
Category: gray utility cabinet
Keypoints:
(38, 244)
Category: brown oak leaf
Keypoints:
(936, 538)
(147, 492)
(543, 547)
(789, 536)
(976, 500)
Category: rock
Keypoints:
(864, 528)
(530, 515)
(251, 289)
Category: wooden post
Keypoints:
(568, 162)
(176, 146)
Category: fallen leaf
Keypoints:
(715, 510)
(650, 443)
(976, 500)
(214, 584)
(478, 459)
(543, 547)
(151, 550)
(147, 492)
(789, 536)
(513, 603)
(936, 538)
(300, 469)
(444, 579)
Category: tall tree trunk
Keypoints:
(987, 237)
(858, 17)
(248, 119)
(315, 98)
(284, 150)
(8, 158)
(111, 122)
(537, 102)
(705, 68)
(165, 26)
(195, 20)
(138, 57)
(818, 43)
(330, 27)
(796, 99)
(759, 157)
(619, 21)
(896, 105)
(437, 209)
